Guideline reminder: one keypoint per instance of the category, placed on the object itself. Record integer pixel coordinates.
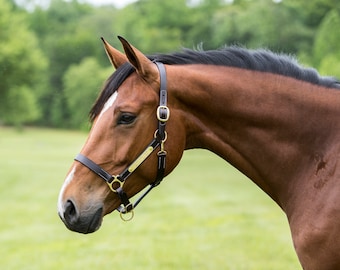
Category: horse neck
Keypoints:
(268, 126)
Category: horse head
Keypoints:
(125, 120)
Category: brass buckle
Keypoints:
(167, 114)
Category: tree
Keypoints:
(64, 44)
(69, 31)
(82, 84)
(24, 104)
(327, 40)
(261, 23)
(21, 64)
(330, 66)
(156, 26)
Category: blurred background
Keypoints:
(205, 215)
(52, 62)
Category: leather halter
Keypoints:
(116, 182)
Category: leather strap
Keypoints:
(163, 114)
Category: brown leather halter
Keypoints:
(116, 182)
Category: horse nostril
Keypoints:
(70, 213)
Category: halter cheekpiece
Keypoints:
(116, 182)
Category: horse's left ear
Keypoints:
(143, 65)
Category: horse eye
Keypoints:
(126, 118)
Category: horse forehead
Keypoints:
(133, 89)
(108, 104)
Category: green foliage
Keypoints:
(39, 47)
(311, 12)
(22, 106)
(21, 65)
(65, 43)
(153, 24)
(80, 85)
(326, 47)
(330, 65)
(327, 41)
(260, 24)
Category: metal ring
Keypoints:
(125, 213)
(115, 180)
(165, 135)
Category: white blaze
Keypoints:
(60, 198)
(70, 176)
(106, 107)
(108, 104)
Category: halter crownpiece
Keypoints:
(116, 182)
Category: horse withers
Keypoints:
(270, 118)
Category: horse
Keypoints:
(272, 119)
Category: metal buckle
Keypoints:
(160, 114)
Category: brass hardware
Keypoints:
(140, 159)
(127, 215)
(163, 107)
(115, 180)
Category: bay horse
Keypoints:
(272, 119)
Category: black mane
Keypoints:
(258, 60)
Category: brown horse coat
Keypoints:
(273, 120)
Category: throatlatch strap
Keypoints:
(160, 169)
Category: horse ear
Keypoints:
(116, 57)
(143, 65)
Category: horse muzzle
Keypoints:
(86, 221)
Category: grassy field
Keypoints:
(205, 215)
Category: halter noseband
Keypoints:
(160, 137)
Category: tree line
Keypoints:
(52, 63)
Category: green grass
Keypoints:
(205, 215)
